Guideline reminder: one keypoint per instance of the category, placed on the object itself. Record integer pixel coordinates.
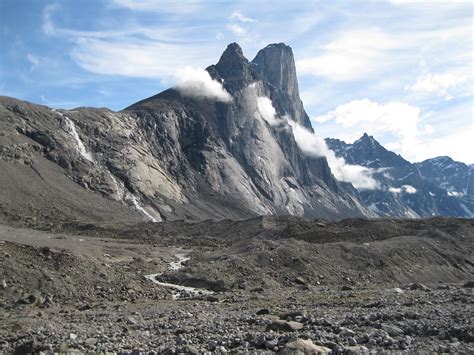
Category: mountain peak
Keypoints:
(233, 67)
(231, 59)
(276, 64)
(233, 50)
(366, 139)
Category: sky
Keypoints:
(399, 70)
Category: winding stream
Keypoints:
(180, 291)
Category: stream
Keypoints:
(180, 291)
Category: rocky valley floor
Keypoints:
(268, 284)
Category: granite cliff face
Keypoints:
(434, 187)
(172, 156)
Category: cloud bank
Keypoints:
(352, 55)
(311, 145)
(440, 83)
(359, 116)
(197, 82)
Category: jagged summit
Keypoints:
(233, 69)
(365, 138)
(276, 64)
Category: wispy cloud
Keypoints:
(33, 60)
(352, 55)
(237, 30)
(164, 6)
(240, 17)
(442, 84)
(48, 27)
(144, 59)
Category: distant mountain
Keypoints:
(438, 186)
(455, 177)
(176, 155)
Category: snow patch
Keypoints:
(403, 189)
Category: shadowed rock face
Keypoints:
(178, 157)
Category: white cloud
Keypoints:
(165, 6)
(403, 189)
(48, 27)
(458, 144)
(310, 144)
(197, 82)
(33, 60)
(267, 111)
(398, 118)
(133, 58)
(353, 55)
(439, 84)
(134, 51)
(237, 30)
(240, 17)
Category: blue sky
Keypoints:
(398, 70)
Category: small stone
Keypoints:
(392, 330)
(346, 288)
(418, 286)
(83, 307)
(292, 315)
(212, 299)
(91, 341)
(357, 349)
(469, 284)
(263, 311)
(300, 347)
(300, 281)
(4, 284)
(72, 336)
(270, 344)
(345, 332)
(279, 325)
(131, 320)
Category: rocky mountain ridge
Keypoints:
(438, 186)
(174, 156)
(183, 155)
